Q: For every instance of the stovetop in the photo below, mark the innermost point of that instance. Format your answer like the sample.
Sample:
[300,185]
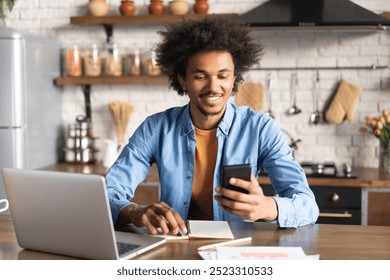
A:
[327,170]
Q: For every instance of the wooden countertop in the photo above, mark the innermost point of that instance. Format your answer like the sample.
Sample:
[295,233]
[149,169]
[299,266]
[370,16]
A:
[331,242]
[366,177]
[95,169]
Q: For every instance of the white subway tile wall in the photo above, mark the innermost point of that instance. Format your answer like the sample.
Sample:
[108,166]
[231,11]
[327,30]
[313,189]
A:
[323,142]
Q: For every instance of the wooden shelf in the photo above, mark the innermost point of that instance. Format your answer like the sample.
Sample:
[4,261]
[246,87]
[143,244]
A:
[62,81]
[108,22]
[140,19]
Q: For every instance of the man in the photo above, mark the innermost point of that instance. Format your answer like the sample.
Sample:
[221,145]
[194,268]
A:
[206,60]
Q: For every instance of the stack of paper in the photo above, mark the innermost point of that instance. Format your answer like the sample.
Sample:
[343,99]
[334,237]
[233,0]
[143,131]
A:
[257,253]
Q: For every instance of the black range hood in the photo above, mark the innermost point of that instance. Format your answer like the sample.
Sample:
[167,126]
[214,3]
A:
[314,14]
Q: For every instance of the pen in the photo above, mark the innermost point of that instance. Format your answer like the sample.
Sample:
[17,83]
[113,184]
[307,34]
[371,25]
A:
[180,233]
[226,243]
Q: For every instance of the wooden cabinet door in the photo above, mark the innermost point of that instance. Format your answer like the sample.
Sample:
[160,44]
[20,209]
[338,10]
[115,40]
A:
[378,208]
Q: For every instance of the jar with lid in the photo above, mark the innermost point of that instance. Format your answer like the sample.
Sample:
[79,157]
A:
[112,60]
[201,7]
[98,8]
[156,7]
[93,61]
[150,66]
[72,61]
[127,8]
[178,7]
[132,63]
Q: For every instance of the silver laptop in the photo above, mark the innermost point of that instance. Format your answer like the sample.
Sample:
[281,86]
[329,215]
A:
[68,214]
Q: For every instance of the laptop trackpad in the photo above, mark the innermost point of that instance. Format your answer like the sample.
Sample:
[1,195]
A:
[136,244]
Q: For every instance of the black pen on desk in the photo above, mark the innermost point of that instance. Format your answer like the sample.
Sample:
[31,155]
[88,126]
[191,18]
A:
[226,243]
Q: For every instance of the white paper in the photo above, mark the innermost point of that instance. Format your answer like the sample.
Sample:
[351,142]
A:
[210,229]
[202,230]
[208,255]
[258,253]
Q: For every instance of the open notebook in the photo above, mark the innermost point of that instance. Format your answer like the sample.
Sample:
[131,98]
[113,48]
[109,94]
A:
[204,230]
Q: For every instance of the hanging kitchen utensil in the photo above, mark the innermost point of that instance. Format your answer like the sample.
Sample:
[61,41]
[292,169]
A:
[315,116]
[121,112]
[269,95]
[294,110]
[250,94]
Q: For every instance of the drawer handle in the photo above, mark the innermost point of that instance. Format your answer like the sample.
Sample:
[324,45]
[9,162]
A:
[335,197]
[336,215]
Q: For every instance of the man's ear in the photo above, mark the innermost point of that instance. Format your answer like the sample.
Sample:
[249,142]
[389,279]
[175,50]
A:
[182,82]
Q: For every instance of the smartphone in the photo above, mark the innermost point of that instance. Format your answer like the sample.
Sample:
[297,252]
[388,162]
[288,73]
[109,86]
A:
[240,171]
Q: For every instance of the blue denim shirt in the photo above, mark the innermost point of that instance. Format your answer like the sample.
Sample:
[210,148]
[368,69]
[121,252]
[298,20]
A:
[244,136]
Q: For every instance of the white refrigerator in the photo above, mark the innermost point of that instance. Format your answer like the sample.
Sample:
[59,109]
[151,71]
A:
[30,103]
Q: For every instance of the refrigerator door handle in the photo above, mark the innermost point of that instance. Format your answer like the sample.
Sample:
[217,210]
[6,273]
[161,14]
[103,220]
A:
[10,127]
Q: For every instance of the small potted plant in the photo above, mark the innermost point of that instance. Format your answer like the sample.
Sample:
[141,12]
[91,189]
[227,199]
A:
[3,5]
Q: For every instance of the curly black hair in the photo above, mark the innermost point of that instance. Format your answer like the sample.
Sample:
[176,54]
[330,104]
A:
[182,40]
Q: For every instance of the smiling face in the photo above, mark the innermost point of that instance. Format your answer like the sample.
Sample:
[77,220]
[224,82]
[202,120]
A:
[209,82]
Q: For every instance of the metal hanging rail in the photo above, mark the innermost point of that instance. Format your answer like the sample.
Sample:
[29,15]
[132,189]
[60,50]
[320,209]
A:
[372,67]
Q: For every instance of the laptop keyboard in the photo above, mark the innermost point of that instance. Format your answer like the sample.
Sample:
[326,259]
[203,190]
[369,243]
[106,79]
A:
[125,247]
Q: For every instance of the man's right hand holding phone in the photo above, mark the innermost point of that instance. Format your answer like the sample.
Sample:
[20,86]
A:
[253,205]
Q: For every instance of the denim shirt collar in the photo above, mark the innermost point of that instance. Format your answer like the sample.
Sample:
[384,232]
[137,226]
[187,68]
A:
[224,125]
[185,120]
[227,119]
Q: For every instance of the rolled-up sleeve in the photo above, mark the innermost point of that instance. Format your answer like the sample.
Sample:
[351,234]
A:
[296,201]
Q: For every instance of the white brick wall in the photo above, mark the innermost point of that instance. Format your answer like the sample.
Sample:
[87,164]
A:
[341,143]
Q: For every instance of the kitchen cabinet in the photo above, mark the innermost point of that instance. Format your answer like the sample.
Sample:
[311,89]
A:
[338,205]
[371,189]
[376,206]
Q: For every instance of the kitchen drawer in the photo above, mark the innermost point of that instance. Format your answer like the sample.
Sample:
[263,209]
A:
[340,216]
[330,197]
[338,205]
[338,197]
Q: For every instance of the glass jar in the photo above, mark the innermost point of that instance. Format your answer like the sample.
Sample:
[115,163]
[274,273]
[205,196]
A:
[73,61]
[93,62]
[132,63]
[112,60]
[149,64]
[384,157]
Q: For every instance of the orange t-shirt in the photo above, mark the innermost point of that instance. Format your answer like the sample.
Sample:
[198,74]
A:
[201,207]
